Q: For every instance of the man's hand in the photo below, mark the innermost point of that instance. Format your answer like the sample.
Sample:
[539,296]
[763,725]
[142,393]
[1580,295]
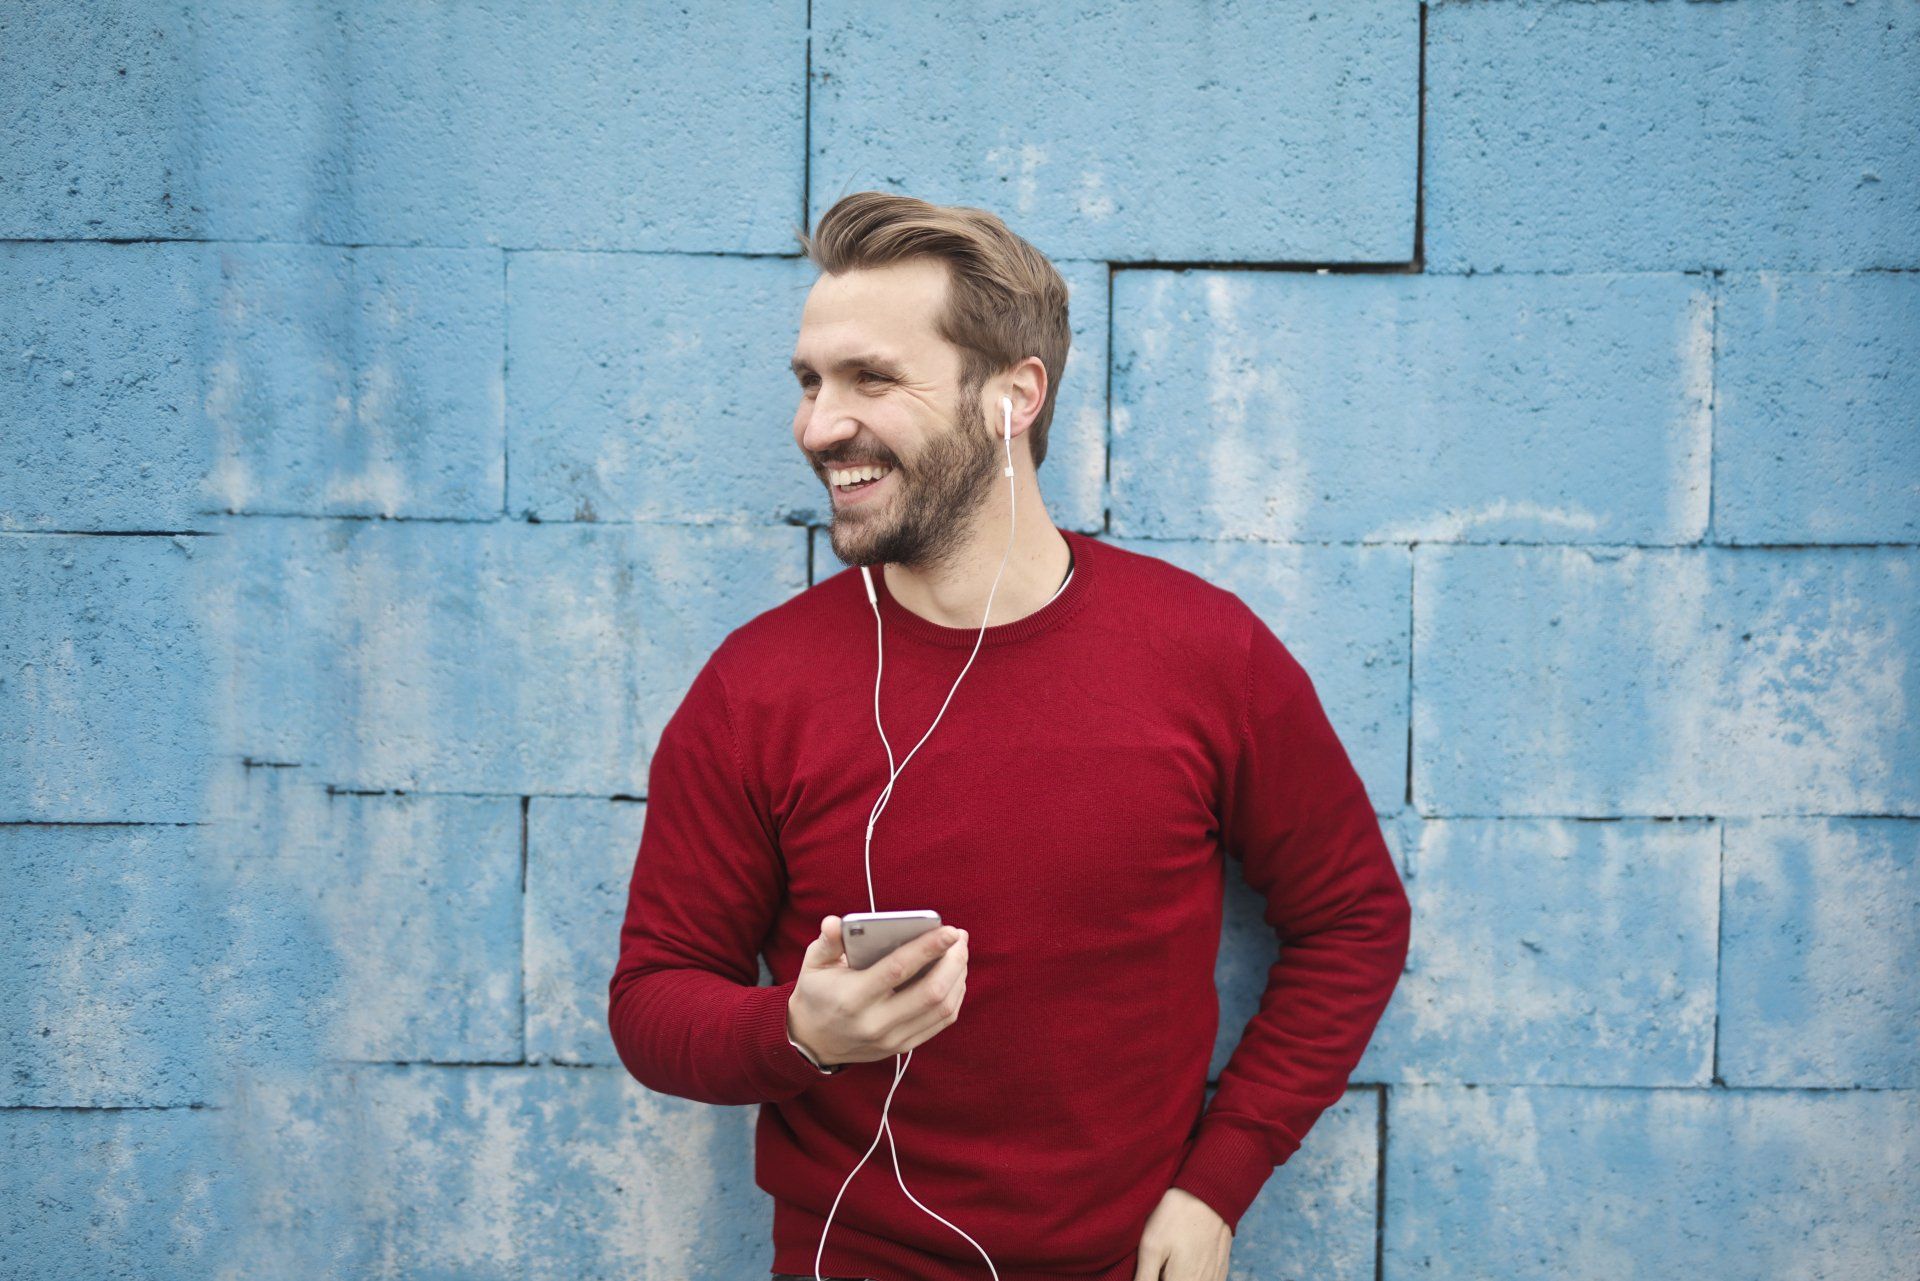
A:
[1184,1240]
[844,1015]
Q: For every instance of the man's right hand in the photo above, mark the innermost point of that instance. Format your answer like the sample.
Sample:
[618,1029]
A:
[844,1015]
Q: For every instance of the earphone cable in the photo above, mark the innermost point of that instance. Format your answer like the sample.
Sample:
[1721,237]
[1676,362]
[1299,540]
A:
[893,773]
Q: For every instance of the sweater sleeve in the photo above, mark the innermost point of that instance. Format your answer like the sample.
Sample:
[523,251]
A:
[685,1010]
[1297,816]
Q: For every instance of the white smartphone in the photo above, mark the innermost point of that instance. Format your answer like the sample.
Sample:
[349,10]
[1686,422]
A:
[869,936]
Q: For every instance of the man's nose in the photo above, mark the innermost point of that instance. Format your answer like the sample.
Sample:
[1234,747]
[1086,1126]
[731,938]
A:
[827,424]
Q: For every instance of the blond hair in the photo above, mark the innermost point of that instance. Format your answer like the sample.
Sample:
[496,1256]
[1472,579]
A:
[1005,300]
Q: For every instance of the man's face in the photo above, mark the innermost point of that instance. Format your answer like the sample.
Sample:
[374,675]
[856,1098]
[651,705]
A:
[877,385]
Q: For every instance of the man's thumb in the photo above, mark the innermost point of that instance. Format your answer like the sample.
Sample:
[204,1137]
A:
[829,947]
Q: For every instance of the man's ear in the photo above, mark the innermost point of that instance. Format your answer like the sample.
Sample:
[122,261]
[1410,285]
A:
[1028,387]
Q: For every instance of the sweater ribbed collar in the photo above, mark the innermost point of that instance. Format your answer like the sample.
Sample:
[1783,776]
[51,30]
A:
[896,618]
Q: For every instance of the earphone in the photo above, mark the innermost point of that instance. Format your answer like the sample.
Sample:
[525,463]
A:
[893,772]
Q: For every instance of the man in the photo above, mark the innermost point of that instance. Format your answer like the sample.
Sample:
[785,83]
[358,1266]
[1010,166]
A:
[1123,726]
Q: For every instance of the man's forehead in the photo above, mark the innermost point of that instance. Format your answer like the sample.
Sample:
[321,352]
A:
[878,316]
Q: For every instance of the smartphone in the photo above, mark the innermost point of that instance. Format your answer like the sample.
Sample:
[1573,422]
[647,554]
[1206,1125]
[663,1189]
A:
[869,936]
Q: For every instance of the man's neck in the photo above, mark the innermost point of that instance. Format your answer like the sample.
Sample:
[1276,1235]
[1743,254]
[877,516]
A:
[956,596]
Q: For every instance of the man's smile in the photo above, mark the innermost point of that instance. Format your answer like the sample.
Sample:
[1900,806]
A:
[861,490]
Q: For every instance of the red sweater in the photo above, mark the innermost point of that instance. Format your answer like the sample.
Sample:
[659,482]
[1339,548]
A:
[1071,811]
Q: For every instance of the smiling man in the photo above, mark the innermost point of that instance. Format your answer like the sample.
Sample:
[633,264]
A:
[1123,729]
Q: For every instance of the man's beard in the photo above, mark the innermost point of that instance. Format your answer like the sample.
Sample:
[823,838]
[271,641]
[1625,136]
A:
[924,523]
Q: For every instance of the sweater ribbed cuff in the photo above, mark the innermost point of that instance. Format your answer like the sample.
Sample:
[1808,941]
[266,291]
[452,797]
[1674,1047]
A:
[1226,1168]
[775,1064]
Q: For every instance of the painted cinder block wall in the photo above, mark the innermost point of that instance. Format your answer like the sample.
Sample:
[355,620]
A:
[395,416]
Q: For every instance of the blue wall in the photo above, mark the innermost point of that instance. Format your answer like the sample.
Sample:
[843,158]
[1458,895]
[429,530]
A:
[395,416]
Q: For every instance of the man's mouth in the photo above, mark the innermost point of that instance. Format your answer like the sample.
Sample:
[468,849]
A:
[856,480]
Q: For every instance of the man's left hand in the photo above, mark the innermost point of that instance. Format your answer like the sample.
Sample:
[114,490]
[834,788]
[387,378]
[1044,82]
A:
[1184,1240]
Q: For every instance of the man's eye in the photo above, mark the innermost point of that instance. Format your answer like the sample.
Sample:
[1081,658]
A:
[808,380]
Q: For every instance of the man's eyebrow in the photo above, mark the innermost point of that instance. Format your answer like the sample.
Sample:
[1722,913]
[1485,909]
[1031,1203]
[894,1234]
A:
[872,359]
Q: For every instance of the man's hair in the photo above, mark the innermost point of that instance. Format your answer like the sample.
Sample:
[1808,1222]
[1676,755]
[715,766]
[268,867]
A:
[1005,300]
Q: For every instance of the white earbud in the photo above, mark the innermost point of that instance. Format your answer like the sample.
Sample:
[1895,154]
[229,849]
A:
[1006,431]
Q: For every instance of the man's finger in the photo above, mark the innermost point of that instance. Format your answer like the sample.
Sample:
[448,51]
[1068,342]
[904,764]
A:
[1148,1262]
[928,1023]
[899,965]
[918,1006]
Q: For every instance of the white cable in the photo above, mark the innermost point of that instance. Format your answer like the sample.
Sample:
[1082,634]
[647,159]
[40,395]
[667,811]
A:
[893,772]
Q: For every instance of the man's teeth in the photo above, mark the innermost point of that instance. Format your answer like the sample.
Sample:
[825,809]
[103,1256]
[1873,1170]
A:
[855,474]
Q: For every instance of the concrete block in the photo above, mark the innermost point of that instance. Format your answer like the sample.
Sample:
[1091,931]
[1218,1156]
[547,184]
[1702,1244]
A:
[539,1173]
[506,657]
[102,425]
[150,963]
[1556,953]
[1819,947]
[580,857]
[160,382]
[1816,393]
[675,129]
[1264,132]
[391,1172]
[1569,138]
[1392,408]
[105,678]
[656,389]
[117,1193]
[100,103]
[369,125]
[353,381]
[416,905]
[1665,682]
[1596,1184]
